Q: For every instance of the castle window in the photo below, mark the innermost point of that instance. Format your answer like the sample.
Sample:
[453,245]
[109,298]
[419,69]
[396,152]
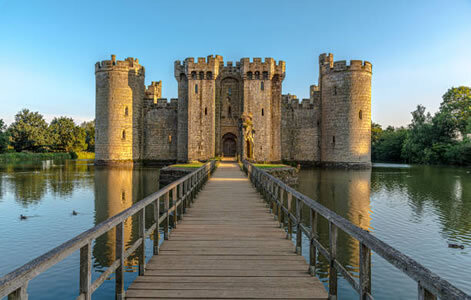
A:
[265,75]
[229,111]
[360,114]
[262,85]
[201,75]
[257,75]
[126,111]
[123,134]
[249,75]
[193,75]
[169,138]
[209,75]
[123,196]
[229,91]
[263,112]
[333,140]
[335,90]
[205,111]
[196,89]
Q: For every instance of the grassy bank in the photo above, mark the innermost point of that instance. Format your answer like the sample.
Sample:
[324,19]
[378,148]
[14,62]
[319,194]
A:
[83,155]
[270,166]
[28,156]
[188,165]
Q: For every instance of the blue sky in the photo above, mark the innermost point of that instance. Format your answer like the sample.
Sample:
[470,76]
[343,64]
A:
[48,48]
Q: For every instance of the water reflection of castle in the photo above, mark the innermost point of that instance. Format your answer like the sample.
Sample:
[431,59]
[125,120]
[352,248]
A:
[117,188]
[347,192]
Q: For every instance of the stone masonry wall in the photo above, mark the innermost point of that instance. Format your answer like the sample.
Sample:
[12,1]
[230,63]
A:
[161,131]
[346,112]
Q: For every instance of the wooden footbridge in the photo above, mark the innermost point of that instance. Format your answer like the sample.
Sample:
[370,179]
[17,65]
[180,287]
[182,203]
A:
[228,245]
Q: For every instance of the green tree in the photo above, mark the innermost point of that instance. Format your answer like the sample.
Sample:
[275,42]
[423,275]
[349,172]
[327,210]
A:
[4,137]
[29,131]
[66,136]
[89,128]
[388,148]
[457,104]
[376,131]
[418,138]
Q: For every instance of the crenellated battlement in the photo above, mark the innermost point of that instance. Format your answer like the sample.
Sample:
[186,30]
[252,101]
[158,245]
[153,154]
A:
[327,64]
[126,65]
[203,68]
[291,101]
[162,103]
[258,69]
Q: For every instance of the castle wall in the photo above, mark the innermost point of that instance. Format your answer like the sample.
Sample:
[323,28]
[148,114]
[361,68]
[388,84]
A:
[119,95]
[346,112]
[299,132]
[160,132]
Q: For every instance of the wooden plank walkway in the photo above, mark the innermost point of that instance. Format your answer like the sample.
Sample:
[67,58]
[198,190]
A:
[227,247]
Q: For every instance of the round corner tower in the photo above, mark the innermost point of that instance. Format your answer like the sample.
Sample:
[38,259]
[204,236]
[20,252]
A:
[120,91]
[345,112]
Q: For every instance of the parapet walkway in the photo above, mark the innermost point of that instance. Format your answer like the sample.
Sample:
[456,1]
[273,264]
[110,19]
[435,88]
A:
[227,247]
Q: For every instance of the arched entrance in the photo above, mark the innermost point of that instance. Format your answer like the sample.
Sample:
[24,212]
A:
[229,145]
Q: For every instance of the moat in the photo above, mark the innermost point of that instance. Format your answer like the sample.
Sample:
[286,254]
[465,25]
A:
[417,209]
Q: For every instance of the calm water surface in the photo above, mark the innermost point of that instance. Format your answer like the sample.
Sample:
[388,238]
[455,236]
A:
[418,210]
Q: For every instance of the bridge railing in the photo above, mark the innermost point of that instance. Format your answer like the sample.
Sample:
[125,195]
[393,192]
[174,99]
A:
[277,193]
[182,191]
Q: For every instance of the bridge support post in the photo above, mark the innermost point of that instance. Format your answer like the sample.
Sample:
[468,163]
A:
[167,219]
[86,271]
[299,233]
[365,271]
[157,226]
[312,248]
[19,294]
[119,284]
[333,256]
[142,235]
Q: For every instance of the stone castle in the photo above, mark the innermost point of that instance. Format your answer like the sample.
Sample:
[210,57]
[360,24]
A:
[226,109]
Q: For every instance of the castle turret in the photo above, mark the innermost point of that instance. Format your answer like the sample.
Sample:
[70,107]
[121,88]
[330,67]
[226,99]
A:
[119,97]
[345,119]
[196,107]
[262,99]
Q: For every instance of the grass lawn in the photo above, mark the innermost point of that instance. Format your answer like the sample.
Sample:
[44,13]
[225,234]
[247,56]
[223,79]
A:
[29,156]
[270,166]
[188,165]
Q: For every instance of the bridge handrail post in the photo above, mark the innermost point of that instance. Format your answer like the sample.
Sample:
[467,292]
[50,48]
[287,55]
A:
[299,233]
[180,197]
[312,247]
[167,218]
[274,200]
[157,226]
[119,273]
[280,207]
[365,271]
[85,271]
[20,293]
[424,294]
[174,203]
[333,256]
[289,234]
[142,235]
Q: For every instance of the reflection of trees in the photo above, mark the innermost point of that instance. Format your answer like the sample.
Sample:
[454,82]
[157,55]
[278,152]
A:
[117,188]
[446,189]
[346,192]
[32,180]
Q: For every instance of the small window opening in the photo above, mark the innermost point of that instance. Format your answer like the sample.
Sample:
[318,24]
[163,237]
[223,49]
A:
[229,111]
[209,75]
[262,85]
[126,111]
[201,75]
[123,196]
[249,75]
[170,138]
[333,140]
[335,90]
[193,75]
[360,114]
[229,91]
[205,111]
[123,134]
[263,112]
[265,75]
[257,75]
[196,89]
